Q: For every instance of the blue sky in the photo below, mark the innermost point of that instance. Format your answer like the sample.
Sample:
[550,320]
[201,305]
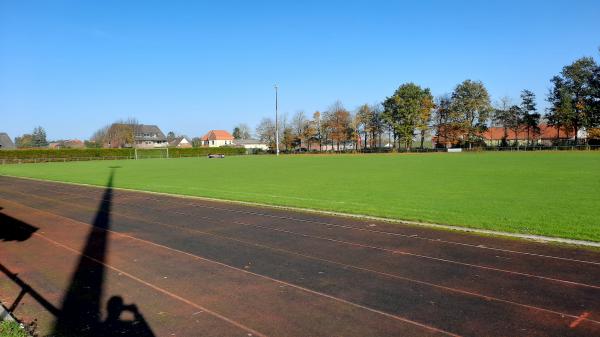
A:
[189,66]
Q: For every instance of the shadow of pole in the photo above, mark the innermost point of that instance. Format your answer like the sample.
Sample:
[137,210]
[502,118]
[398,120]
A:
[80,311]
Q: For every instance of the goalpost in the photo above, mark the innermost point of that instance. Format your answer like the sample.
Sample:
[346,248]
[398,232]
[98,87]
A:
[160,152]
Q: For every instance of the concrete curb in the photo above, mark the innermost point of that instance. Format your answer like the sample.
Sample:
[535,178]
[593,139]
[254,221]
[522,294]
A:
[530,237]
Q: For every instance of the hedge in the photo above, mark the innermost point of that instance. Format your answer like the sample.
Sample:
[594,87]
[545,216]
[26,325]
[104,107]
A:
[37,155]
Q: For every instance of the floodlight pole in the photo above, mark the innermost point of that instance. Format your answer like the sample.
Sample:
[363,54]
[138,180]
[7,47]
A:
[276,122]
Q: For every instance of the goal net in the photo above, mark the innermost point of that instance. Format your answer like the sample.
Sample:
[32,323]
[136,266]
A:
[151,153]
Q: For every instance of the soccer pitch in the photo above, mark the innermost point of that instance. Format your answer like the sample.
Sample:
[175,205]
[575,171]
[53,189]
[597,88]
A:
[544,193]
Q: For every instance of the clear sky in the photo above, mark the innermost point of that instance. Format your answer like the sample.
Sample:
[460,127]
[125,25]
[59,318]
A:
[190,66]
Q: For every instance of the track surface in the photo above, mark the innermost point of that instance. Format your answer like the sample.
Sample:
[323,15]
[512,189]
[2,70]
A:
[187,267]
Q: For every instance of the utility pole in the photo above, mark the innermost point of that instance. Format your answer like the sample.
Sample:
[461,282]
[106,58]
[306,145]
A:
[276,122]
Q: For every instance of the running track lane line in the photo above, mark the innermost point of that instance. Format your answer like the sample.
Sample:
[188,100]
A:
[392,251]
[463,292]
[305,220]
[240,325]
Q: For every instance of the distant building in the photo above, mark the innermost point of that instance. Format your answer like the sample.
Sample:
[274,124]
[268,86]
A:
[546,135]
[66,144]
[5,142]
[149,136]
[496,136]
[144,136]
[181,142]
[216,138]
[251,144]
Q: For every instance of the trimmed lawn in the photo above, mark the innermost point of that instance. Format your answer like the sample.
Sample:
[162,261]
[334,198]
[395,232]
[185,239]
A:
[545,193]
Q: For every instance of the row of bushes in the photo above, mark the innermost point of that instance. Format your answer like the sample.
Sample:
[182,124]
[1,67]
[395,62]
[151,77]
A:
[68,154]
[65,153]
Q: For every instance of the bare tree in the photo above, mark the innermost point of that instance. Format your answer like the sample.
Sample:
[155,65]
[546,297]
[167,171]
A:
[298,125]
[242,131]
[266,132]
[99,137]
[121,133]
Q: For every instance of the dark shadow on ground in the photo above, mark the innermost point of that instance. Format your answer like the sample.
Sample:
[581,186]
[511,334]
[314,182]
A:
[12,229]
[80,312]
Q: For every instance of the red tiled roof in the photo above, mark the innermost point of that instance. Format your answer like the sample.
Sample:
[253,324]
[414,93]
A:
[217,135]
[494,133]
[546,132]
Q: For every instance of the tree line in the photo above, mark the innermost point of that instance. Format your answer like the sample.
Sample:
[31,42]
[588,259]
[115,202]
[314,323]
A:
[413,113]
[459,118]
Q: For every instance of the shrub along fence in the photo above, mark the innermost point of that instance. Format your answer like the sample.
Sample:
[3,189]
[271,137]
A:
[64,155]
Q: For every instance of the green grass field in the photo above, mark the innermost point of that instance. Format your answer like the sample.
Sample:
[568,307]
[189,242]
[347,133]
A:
[549,193]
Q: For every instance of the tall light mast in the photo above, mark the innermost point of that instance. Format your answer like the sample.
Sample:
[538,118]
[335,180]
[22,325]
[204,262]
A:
[276,122]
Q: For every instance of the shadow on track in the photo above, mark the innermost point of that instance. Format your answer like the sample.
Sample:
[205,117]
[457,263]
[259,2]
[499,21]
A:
[80,312]
[12,229]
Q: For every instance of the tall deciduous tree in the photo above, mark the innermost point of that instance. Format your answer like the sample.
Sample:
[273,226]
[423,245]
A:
[338,123]
[442,120]
[376,125]
[502,117]
[471,101]
[404,110]
[561,112]
[515,121]
[364,118]
[424,118]
[309,132]
[577,84]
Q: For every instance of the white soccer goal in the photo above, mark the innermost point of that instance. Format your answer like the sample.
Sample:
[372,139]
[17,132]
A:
[151,153]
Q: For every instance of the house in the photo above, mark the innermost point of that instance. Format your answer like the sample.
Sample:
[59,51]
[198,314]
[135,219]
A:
[5,142]
[546,135]
[251,144]
[216,138]
[149,136]
[144,136]
[181,142]
[499,136]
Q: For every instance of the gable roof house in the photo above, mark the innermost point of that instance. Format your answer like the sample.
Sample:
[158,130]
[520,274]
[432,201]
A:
[144,136]
[149,136]
[5,142]
[181,142]
[216,138]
